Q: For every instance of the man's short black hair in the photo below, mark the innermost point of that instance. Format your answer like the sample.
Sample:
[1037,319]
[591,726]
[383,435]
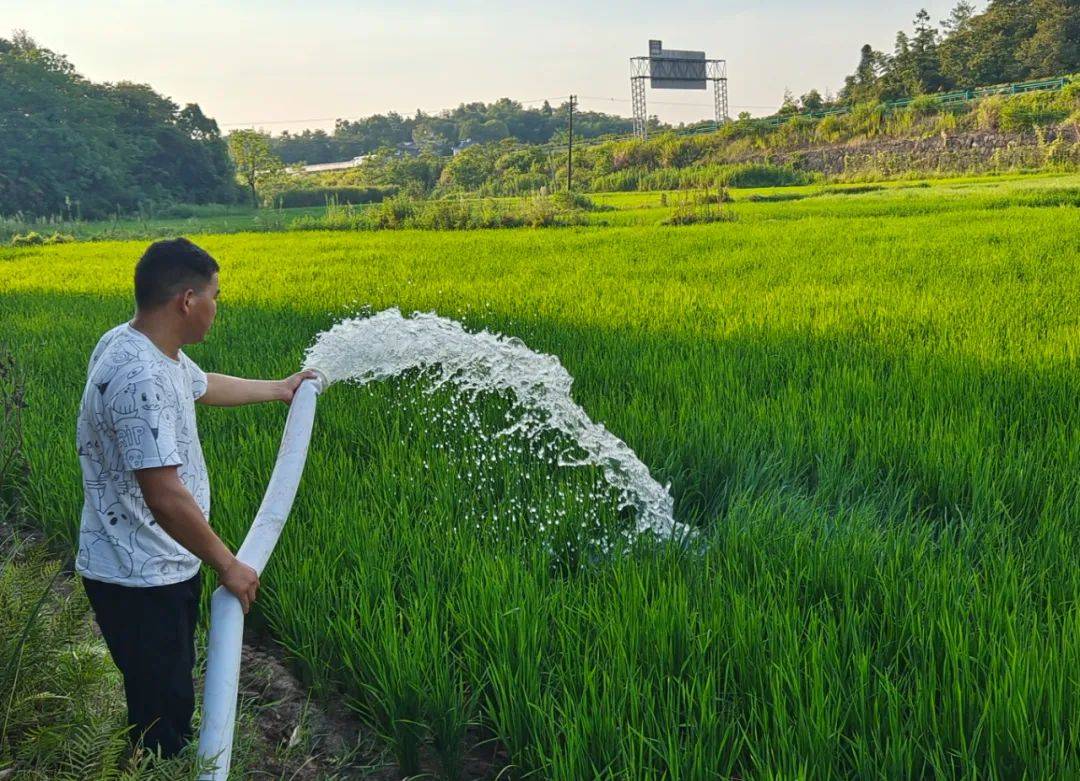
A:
[168,267]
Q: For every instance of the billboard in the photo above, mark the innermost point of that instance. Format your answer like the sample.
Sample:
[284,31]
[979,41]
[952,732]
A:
[675,68]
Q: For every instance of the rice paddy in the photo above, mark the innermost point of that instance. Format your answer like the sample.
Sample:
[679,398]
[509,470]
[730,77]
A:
[865,402]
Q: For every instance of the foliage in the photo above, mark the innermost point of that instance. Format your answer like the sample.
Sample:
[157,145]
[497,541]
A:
[701,207]
[320,196]
[255,163]
[82,149]
[1026,112]
[1009,41]
[402,211]
[34,238]
[477,122]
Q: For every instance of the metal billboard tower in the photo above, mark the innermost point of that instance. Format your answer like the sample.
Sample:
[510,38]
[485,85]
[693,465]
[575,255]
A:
[675,69]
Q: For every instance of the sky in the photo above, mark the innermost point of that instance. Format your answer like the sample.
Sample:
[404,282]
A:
[292,65]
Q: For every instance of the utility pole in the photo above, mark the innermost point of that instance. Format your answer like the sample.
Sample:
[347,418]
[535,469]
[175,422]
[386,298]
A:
[570,148]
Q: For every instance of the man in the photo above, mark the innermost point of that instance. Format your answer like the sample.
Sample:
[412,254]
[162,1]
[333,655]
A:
[144,526]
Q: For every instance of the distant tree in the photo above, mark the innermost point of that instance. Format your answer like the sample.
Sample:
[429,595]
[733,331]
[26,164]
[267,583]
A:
[468,170]
[812,101]
[788,106]
[994,39]
[1054,47]
[197,125]
[250,151]
[434,134]
[863,84]
[924,54]
[493,130]
[956,49]
[743,116]
[72,146]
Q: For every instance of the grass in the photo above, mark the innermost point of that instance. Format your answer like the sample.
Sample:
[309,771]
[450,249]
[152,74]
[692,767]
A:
[866,403]
[195,219]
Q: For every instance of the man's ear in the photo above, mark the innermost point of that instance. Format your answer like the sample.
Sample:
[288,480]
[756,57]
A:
[186,300]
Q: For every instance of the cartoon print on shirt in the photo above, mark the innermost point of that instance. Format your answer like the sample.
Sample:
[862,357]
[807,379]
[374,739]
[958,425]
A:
[97,489]
[150,404]
[137,411]
[91,448]
[115,539]
[124,404]
[128,485]
[116,360]
[97,412]
[96,546]
[119,526]
[106,468]
[159,570]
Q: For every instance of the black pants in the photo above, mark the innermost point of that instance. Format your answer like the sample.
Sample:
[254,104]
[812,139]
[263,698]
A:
[151,636]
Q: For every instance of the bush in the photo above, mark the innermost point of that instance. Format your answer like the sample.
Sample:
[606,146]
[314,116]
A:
[33,239]
[1026,112]
[988,112]
[186,211]
[923,106]
[395,212]
[569,201]
[449,214]
[30,239]
[321,196]
[731,174]
[701,207]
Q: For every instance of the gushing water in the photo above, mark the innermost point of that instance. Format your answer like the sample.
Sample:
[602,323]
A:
[387,344]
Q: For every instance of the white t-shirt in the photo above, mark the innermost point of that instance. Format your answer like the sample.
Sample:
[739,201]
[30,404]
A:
[137,412]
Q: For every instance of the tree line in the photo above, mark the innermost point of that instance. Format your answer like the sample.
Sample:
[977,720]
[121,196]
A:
[1010,41]
[74,148]
[439,133]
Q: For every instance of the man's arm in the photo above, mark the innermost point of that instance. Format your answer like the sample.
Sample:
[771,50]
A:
[225,391]
[176,511]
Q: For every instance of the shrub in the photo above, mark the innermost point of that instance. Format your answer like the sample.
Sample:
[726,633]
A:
[450,214]
[568,201]
[394,212]
[1026,112]
[27,239]
[923,106]
[698,208]
[988,112]
[829,129]
[321,196]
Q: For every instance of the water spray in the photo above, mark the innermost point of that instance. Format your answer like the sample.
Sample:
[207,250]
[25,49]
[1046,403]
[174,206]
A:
[385,345]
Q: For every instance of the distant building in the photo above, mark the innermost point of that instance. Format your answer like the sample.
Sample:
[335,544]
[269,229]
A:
[315,167]
[461,146]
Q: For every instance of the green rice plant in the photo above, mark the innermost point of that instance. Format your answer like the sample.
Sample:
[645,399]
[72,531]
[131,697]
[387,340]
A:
[865,404]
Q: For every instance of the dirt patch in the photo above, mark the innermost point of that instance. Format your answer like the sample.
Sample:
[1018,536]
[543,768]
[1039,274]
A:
[291,736]
[298,737]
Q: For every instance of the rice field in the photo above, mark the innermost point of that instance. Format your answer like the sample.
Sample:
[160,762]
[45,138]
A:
[865,401]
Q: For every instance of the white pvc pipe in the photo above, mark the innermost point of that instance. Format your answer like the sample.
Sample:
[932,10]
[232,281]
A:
[226,614]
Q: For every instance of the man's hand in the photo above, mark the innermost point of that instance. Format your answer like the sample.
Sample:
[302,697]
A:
[291,383]
[242,581]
